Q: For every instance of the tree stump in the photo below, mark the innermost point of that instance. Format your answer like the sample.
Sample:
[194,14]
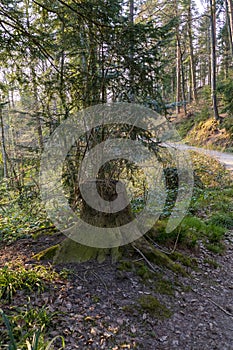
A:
[71,251]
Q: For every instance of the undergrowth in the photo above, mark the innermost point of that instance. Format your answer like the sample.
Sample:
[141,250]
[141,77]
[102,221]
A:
[210,213]
[28,330]
[26,327]
[16,278]
[186,124]
[21,214]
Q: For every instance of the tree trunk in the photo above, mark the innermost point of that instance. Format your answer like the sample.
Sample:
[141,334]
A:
[4,154]
[229,13]
[178,77]
[71,251]
[36,108]
[178,62]
[213,58]
[191,55]
[131,53]
[229,24]
[183,82]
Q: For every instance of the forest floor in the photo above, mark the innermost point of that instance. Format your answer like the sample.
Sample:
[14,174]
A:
[102,306]
[118,306]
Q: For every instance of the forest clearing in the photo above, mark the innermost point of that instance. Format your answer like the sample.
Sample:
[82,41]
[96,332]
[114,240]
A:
[116,168]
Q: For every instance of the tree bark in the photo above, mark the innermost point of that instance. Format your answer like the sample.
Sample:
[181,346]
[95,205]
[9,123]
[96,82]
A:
[178,62]
[213,58]
[71,251]
[178,77]
[191,55]
[4,154]
[36,108]
[229,10]
[131,25]
[229,22]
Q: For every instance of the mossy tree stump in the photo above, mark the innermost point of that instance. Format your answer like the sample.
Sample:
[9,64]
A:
[72,251]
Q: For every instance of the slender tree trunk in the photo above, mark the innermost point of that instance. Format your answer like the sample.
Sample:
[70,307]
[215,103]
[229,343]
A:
[178,62]
[208,40]
[131,25]
[182,80]
[229,8]
[213,58]
[178,78]
[191,55]
[229,21]
[62,93]
[92,88]
[36,108]
[4,154]
[103,75]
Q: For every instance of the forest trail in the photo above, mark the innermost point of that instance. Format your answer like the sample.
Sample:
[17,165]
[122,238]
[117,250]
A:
[223,157]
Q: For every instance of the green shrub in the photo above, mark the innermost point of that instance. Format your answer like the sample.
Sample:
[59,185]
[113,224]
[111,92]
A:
[189,232]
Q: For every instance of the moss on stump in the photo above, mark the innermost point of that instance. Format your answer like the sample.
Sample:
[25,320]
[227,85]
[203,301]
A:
[70,251]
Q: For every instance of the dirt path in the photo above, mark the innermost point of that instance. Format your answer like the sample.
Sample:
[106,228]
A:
[224,158]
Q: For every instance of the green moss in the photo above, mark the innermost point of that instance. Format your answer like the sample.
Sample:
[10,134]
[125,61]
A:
[151,305]
[215,248]
[46,254]
[44,232]
[211,262]
[157,257]
[71,251]
[140,268]
[164,287]
[177,268]
[184,259]
[143,271]
[125,265]
[163,260]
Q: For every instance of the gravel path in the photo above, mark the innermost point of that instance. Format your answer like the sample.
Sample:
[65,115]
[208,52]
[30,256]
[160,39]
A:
[224,158]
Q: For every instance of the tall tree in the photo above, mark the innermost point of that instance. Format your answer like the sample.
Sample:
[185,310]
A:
[191,51]
[213,58]
[229,16]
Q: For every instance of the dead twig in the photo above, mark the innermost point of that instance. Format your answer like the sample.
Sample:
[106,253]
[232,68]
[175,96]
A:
[167,252]
[214,303]
[145,258]
[100,278]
